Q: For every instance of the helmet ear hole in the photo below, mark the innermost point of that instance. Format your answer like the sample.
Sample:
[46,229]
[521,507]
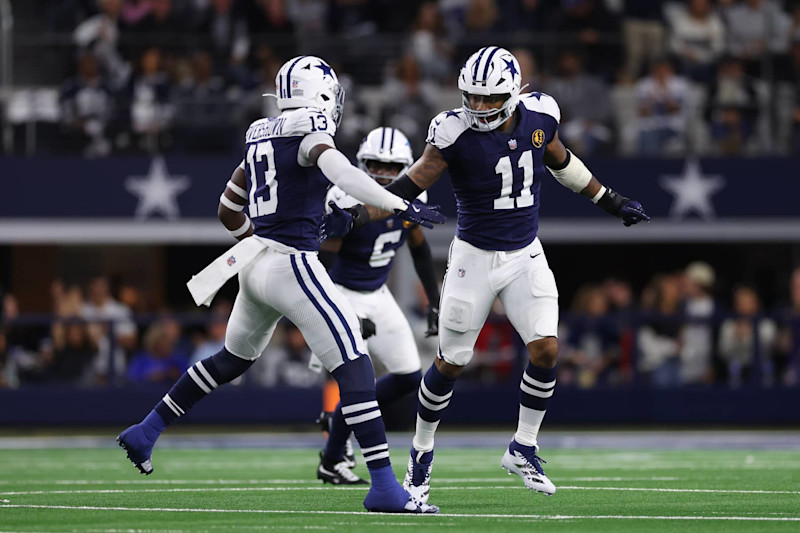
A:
[325,97]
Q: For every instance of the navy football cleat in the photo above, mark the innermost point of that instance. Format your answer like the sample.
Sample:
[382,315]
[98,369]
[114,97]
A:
[525,462]
[396,500]
[138,447]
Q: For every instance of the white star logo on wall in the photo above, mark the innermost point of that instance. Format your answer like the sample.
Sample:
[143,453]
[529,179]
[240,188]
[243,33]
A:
[157,191]
[692,191]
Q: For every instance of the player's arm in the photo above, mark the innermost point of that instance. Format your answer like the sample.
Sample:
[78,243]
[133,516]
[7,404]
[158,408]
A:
[423,264]
[570,172]
[231,206]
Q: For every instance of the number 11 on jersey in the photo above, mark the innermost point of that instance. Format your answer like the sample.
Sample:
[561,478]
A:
[503,167]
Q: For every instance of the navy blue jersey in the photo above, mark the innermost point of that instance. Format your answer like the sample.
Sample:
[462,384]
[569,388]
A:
[497,176]
[367,253]
[286,192]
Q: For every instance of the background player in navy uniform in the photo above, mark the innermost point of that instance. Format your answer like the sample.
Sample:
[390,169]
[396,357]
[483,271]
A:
[496,147]
[360,268]
[282,182]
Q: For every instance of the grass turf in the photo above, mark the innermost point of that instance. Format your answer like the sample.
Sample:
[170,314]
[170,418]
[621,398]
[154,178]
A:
[248,490]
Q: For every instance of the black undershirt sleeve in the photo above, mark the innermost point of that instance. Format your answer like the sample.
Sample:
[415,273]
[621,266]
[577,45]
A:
[404,188]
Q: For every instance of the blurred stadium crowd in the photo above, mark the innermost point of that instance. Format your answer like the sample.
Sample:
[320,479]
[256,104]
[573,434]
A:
[679,331]
[633,77]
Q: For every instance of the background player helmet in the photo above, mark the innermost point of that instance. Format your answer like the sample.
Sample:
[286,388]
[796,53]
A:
[490,71]
[386,145]
[308,81]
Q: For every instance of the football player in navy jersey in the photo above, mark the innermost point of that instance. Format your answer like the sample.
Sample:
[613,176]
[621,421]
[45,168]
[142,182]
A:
[498,146]
[274,204]
[359,265]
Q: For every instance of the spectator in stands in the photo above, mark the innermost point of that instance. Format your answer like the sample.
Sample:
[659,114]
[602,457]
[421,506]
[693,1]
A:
[428,44]
[659,339]
[162,23]
[643,30]
[585,105]
[621,305]
[591,349]
[161,361]
[697,336]
[732,108]
[698,40]
[99,34]
[787,353]
[72,355]
[150,108]
[408,101]
[204,117]
[254,105]
[103,312]
[662,103]
[133,11]
[481,17]
[8,312]
[86,106]
[738,337]
[268,17]
[596,30]
[756,30]
[285,361]
[226,27]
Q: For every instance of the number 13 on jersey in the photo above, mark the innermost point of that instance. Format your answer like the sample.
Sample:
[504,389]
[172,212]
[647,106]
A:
[257,156]
[503,167]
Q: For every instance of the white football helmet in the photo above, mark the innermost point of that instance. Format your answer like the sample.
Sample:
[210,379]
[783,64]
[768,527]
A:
[385,145]
[491,71]
[308,81]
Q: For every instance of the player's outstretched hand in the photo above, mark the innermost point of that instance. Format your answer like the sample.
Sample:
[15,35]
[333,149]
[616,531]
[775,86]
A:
[433,322]
[335,224]
[418,213]
[632,212]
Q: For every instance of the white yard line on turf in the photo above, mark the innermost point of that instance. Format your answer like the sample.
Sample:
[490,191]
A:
[442,515]
[363,488]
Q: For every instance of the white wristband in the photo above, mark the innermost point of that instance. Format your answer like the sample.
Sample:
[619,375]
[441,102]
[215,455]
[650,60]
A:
[238,191]
[600,193]
[230,204]
[244,228]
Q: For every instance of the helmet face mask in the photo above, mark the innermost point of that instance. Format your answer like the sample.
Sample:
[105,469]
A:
[308,81]
[494,74]
[385,154]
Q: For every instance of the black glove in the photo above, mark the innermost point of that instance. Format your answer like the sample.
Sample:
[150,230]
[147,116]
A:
[433,321]
[630,211]
[367,328]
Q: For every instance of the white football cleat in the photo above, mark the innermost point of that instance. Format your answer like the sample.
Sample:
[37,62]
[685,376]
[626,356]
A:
[418,475]
[524,462]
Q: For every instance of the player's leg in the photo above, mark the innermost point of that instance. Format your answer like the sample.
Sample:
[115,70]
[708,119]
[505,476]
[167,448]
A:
[331,329]
[467,297]
[393,345]
[250,327]
[531,303]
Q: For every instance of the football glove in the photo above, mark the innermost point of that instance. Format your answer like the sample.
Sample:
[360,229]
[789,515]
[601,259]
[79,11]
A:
[368,328]
[433,322]
[337,223]
[630,211]
[418,213]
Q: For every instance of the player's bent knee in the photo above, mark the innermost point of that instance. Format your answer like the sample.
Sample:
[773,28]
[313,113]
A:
[449,369]
[356,375]
[544,352]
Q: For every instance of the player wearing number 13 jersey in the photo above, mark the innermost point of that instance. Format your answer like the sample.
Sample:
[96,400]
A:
[274,203]
[496,147]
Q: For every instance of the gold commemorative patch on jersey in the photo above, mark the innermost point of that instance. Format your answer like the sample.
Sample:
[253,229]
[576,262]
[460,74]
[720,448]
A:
[537,138]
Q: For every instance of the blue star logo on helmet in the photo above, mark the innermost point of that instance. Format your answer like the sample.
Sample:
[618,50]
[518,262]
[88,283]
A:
[510,67]
[326,69]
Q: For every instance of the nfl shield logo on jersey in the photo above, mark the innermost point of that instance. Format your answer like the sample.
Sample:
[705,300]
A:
[461,272]
[512,144]
[231,261]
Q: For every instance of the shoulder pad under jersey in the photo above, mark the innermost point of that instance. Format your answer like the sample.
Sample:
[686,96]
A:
[541,103]
[446,128]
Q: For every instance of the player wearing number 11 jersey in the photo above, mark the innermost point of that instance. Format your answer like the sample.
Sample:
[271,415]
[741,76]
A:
[496,147]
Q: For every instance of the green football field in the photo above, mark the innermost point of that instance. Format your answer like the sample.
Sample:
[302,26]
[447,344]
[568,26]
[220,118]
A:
[44,488]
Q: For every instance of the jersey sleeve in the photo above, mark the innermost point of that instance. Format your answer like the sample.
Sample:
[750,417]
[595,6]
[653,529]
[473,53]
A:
[340,198]
[544,104]
[310,141]
[446,128]
[314,126]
